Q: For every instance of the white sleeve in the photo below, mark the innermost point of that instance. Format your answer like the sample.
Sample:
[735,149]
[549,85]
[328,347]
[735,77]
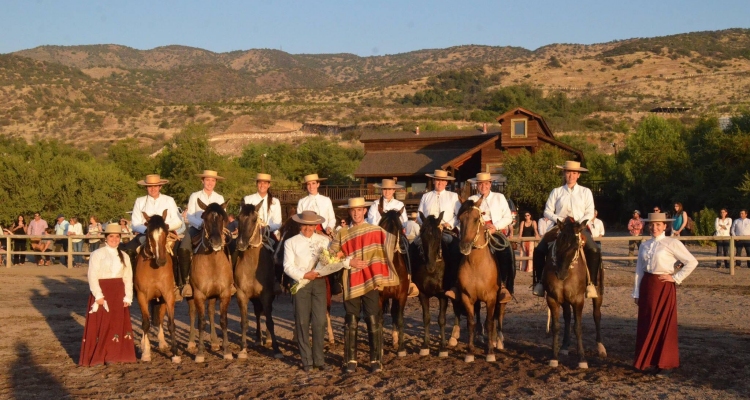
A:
[127,279]
[422,209]
[174,219]
[93,275]
[331,215]
[640,269]
[733,230]
[549,207]
[274,219]
[716,225]
[290,266]
[682,254]
[192,209]
[588,213]
[373,215]
[504,218]
[137,222]
[455,222]
[404,217]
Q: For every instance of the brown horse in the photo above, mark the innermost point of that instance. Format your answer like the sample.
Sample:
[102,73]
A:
[211,275]
[254,277]
[477,276]
[153,281]
[391,223]
[565,277]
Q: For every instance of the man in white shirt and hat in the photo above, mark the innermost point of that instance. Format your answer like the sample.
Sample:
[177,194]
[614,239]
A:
[317,202]
[577,203]
[269,214]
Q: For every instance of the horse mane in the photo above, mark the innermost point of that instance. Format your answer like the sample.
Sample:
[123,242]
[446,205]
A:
[565,247]
[215,208]
[247,209]
[466,206]
[391,222]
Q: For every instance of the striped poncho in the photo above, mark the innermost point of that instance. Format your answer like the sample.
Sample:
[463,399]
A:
[374,245]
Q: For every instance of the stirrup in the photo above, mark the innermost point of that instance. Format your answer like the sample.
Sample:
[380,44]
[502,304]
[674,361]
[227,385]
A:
[351,366]
[505,296]
[538,290]
[591,292]
[451,293]
[187,290]
[177,295]
[413,290]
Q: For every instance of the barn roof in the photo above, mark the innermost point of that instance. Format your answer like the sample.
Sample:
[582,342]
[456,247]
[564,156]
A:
[424,135]
[406,163]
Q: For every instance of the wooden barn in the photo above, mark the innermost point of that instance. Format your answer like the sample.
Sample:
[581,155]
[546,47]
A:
[408,156]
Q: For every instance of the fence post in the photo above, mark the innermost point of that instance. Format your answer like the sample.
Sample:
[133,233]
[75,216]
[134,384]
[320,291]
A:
[7,252]
[70,252]
[731,255]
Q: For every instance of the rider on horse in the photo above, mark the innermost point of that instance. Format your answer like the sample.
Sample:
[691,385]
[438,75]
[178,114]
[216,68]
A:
[317,202]
[569,201]
[269,215]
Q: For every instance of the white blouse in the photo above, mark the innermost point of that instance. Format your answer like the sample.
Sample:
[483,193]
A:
[373,214]
[434,202]
[301,254]
[321,205]
[194,212]
[271,217]
[563,202]
[658,256]
[722,226]
[495,208]
[105,264]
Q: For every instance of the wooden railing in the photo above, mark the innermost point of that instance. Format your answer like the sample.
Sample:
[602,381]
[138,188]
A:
[8,252]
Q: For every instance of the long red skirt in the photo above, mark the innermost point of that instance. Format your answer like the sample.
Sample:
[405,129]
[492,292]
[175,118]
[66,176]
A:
[108,336]
[656,340]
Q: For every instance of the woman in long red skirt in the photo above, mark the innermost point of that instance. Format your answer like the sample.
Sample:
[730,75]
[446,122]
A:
[656,297]
[108,334]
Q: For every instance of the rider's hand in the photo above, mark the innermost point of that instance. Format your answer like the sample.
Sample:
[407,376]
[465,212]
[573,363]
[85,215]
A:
[492,230]
[100,301]
[311,275]
[357,263]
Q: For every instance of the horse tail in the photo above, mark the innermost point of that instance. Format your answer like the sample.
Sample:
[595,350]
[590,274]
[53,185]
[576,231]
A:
[154,310]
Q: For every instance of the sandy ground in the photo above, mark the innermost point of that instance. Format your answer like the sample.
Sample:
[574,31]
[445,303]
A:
[41,309]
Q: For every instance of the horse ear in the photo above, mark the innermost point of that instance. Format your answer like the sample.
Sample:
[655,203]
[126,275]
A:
[224,206]
[560,222]
[478,202]
[260,204]
[201,205]
[242,203]
[421,216]
[401,211]
[164,214]
[584,223]
[440,217]
[145,216]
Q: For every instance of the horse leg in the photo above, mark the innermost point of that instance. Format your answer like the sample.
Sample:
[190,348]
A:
[443,350]
[193,331]
[500,315]
[258,310]
[491,338]
[200,308]
[397,311]
[223,320]
[456,332]
[163,346]
[601,350]
[331,339]
[470,326]
[566,331]
[425,301]
[554,309]
[169,307]
[145,326]
[211,310]
[478,317]
[242,304]
[268,311]
[579,333]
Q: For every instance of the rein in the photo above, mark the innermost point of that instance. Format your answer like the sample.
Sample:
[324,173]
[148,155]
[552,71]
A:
[496,243]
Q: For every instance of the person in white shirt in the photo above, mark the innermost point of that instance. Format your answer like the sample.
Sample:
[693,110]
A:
[76,229]
[386,202]
[544,225]
[269,215]
[301,254]
[569,201]
[656,297]
[317,202]
[412,228]
[596,226]
[741,227]
[441,201]
[722,225]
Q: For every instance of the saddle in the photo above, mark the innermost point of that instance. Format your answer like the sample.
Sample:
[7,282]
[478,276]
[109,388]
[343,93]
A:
[196,240]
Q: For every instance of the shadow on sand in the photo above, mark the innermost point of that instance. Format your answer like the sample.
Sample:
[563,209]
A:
[31,381]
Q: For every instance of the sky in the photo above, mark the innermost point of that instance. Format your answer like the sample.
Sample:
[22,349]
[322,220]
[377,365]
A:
[360,27]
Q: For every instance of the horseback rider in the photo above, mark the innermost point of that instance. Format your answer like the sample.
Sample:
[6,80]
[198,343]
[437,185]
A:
[154,203]
[317,202]
[440,200]
[496,215]
[569,201]
[269,215]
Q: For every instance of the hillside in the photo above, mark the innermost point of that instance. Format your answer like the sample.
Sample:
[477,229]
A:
[94,95]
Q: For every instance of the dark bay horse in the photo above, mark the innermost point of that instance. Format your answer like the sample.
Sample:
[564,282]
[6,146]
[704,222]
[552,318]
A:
[154,281]
[211,275]
[565,278]
[428,273]
[254,277]
[391,223]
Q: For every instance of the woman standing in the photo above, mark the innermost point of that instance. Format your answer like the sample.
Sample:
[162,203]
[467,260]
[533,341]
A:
[527,228]
[722,225]
[655,295]
[679,225]
[108,334]
[19,228]
[95,228]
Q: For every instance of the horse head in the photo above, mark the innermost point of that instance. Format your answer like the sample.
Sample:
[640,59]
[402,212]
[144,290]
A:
[470,218]
[248,226]
[214,224]
[391,221]
[432,238]
[157,231]
[567,245]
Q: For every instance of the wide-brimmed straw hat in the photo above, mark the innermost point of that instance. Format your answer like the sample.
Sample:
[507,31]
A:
[112,228]
[412,215]
[482,177]
[388,184]
[356,202]
[658,217]
[153,180]
[263,177]
[308,218]
[441,174]
[312,177]
[207,173]
[572,166]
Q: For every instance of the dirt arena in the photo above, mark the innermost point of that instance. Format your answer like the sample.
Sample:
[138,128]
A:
[42,319]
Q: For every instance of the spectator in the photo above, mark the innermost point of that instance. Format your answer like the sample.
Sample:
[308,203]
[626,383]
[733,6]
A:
[412,228]
[544,225]
[61,229]
[657,209]
[125,229]
[741,227]
[527,228]
[723,224]
[95,228]
[19,228]
[232,225]
[76,229]
[635,227]
[679,225]
[38,227]
[596,226]
[45,245]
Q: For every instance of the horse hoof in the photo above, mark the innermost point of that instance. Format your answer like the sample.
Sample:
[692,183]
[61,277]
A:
[601,350]
[402,353]
[583,365]
[146,357]
[452,342]
[443,354]
[500,345]
[278,356]
[163,348]
[242,355]
[490,358]
[215,347]
[424,352]
[176,359]
[553,363]
[564,352]
[469,358]
[394,335]
[228,356]
[199,359]
[191,347]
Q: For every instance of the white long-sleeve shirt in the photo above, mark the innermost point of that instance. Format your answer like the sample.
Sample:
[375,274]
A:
[373,214]
[564,202]
[271,217]
[412,230]
[495,208]
[105,264]
[153,206]
[741,227]
[301,254]
[544,225]
[658,256]
[321,205]
[596,226]
[722,226]
[76,229]
[194,212]
[433,203]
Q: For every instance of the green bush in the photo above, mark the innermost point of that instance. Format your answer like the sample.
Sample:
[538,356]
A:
[705,221]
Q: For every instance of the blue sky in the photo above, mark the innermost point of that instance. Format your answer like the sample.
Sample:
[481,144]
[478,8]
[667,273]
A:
[361,27]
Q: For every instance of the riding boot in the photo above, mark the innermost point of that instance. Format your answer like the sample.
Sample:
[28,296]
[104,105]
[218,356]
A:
[183,259]
[594,264]
[540,253]
[375,336]
[350,342]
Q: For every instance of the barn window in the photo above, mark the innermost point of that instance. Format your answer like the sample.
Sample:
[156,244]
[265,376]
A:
[518,128]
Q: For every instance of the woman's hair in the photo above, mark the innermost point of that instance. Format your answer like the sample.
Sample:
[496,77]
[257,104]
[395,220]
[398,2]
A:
[270,200]
[679,209]
[19,216]
[529,214]
[94,217]
[724,209]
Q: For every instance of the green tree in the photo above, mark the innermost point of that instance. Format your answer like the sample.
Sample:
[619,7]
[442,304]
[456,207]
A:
[531,177]
[130,157]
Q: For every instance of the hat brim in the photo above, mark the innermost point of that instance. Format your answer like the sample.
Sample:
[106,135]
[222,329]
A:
[217,177]
[474,180]
[397,186]
[263,180]
[658,220]
[160,183]
[579,169]
[445,178]
[314,180]
[364,205]
[318,221]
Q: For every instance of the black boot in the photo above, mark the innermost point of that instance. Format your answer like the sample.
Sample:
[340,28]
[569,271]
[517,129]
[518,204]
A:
[594,264]
[375,336]
[350,342]
[183,283]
